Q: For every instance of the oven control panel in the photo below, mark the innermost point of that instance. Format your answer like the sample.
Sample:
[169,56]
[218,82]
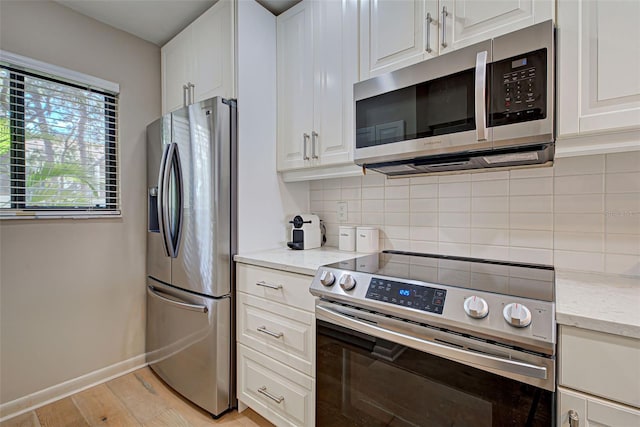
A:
[407,295]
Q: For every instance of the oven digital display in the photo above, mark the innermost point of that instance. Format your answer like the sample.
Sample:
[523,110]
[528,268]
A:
[407,295]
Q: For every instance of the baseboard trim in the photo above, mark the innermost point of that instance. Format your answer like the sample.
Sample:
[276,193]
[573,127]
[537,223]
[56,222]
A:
[59,391]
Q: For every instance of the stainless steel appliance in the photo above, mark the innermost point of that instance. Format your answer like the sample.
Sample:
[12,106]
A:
[305,232]
[487,105]
[191,239]
[408,339]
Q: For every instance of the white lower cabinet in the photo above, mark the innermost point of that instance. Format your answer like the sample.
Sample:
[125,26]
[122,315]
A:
[279,331]
[276,344]
[280,394]
[593,412]
[599,379]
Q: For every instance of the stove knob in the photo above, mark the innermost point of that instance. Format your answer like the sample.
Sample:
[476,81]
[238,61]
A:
[327,278]
[476,307]
[517,315]
[347,282]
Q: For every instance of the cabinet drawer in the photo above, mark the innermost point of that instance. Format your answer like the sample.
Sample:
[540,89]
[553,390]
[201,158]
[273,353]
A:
[275,391]
[276,285]
[594,412]
[601,364]
[279,331]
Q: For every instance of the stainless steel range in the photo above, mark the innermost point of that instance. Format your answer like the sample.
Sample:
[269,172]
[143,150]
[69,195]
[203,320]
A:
[427,340]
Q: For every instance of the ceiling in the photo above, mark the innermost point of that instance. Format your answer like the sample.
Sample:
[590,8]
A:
[156,21]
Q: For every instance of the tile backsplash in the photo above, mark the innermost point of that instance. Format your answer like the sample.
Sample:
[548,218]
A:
[581,214]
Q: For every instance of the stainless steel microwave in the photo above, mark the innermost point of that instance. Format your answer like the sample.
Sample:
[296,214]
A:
[487,105]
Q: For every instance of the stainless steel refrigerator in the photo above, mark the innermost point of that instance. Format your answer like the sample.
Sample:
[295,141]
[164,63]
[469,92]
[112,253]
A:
[191,240]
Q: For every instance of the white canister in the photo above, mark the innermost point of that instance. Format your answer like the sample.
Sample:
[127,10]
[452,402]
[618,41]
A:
[347,238]
[367,239]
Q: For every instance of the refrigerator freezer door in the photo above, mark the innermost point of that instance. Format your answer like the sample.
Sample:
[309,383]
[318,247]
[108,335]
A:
[188,344]
[158,139]
[203,261]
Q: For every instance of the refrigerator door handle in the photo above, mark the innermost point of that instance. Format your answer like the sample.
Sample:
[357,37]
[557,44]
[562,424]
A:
[172,236]
[164,197]
[156,293]
[161,200]
[178,171]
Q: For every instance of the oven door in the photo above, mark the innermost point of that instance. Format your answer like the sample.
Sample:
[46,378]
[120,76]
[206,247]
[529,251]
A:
[373,370]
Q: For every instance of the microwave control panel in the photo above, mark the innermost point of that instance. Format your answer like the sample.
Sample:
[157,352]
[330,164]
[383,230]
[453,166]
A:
[407,295]
[519,89]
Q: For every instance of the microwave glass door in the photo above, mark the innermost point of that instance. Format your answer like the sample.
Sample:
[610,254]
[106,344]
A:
[435,107]
[366,381]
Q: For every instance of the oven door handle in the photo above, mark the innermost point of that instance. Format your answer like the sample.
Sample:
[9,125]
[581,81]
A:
[449,352]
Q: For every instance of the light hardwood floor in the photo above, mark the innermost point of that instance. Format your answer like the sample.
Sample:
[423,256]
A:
[136,399]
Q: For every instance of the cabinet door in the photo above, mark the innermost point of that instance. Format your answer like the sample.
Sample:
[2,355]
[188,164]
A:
[175,57]
[336,70]
[392,35]
[598,65]
[213,72]
[295,86]
[593,412]
[581,349]
[471,21]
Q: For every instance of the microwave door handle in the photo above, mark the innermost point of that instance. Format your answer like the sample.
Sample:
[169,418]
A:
[480,95]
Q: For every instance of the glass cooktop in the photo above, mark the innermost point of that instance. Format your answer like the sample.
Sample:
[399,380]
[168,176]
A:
[518,279]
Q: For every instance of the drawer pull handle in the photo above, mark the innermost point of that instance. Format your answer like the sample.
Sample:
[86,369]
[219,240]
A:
[574,420]
[264,330]
[277,399]
[268,285]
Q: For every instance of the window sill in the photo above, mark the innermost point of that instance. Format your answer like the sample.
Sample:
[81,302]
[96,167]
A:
[17,215]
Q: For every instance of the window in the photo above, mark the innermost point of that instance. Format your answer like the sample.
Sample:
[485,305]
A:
[58,144]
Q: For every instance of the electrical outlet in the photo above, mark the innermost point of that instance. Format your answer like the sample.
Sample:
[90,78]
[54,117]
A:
[342,211]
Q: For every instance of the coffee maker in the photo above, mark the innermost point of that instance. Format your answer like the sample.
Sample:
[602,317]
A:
[305,232]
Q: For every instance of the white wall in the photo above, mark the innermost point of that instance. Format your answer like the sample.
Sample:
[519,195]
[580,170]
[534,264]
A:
[72,294]
[581,214]
[265,202]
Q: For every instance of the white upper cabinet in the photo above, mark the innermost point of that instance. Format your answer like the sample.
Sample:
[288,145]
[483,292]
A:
[199,62]
[393,34]
[295,86]
[213,45]
[335,72]
[317,67]
[598,67]
[469,21]
[175,71]
[397,33]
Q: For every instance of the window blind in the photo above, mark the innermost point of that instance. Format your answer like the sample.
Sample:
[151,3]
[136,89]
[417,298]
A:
[58,145]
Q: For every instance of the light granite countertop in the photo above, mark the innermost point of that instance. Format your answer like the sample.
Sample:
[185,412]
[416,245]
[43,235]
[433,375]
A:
[302,262]
[600,302]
